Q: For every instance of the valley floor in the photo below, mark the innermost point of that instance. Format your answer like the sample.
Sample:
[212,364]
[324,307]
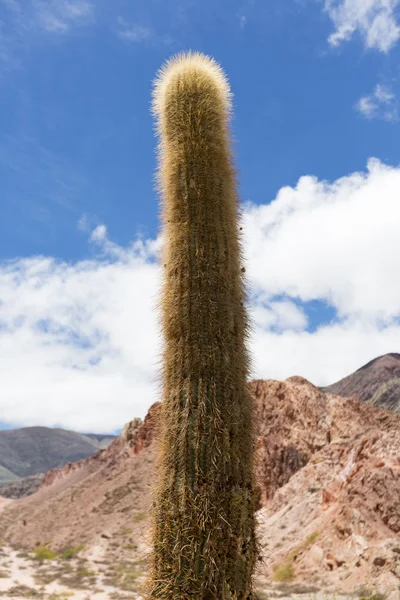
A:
[41,576]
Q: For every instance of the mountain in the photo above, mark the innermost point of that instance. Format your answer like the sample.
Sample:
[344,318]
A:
[19,488]
[6,475]
[99,440]
[34,450]
[377,383]
[328,473]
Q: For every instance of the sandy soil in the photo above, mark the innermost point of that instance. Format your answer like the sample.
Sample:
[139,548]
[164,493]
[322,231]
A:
[22,576]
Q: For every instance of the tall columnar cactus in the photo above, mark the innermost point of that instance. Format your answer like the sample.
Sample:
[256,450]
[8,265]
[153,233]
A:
[204,543]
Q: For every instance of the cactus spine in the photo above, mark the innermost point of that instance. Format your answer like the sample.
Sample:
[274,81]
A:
[203,536]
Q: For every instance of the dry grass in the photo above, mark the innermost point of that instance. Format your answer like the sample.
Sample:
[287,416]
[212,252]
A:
[47,575]
[284,572]
[131,546]
[79,578]
[139,516]
[289,589]
[71,552]
[124,576]
[21,591]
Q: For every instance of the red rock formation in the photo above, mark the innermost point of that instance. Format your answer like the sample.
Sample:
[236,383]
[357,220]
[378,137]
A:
[329,475]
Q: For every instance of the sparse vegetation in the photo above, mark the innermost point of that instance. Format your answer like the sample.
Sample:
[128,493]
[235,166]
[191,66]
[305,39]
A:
[139,516]
[51,572]
[81,577]
[284,572]
[311,538]
[131,546]
[289,589]
[309,541]
[124,576]
[21,591]
[44,553]
[71,552]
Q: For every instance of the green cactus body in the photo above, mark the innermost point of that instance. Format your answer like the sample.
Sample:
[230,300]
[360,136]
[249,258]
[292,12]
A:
[203,538]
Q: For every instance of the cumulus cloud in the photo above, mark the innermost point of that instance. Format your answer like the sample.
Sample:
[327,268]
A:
[380,104]
[277,315]
[325,356]
[331,241]
[336,243]
[375,20]
[80,344]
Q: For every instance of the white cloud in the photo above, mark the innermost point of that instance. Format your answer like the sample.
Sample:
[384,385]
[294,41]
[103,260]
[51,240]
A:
[380,104]
[58,16]
[375,20]
[242,21]
[79,342]
[22,20]
[99,234]
[133,32]
[325,356]
[277,315]
[333,242]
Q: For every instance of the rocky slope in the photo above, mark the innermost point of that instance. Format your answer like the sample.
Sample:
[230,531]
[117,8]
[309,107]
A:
[34,450]
[337,519]
[21,487]
[377,382]
[328,471]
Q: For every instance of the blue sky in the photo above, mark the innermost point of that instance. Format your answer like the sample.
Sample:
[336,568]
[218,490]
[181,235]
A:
[316,88]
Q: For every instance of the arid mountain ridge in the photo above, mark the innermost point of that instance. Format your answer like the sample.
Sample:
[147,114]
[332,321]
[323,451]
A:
[30,451]
[377,382]
[328,470]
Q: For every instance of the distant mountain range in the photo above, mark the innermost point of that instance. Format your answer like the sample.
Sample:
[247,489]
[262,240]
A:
[377,383]
[31,451]
[34,450]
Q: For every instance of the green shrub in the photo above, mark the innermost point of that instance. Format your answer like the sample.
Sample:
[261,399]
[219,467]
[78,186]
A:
[84,572]
[311,538]
[140,516]
[44,553]
[284,572]
[71,552]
